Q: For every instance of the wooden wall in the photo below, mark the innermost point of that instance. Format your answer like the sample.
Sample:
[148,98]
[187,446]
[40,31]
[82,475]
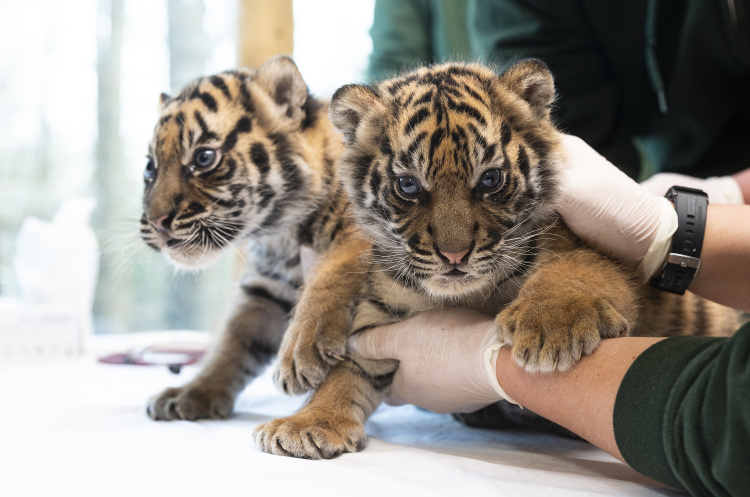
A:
[265,29]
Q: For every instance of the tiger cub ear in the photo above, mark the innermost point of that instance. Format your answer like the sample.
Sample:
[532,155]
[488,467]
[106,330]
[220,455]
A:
[531,80]
[349,105]
[282,81]
[163,101]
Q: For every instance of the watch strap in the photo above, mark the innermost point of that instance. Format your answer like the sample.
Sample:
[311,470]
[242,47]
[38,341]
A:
[683,260]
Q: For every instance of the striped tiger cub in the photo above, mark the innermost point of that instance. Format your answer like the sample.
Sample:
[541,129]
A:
[451,171]
[247,156]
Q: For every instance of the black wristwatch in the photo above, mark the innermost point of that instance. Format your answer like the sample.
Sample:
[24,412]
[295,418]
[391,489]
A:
[684,258]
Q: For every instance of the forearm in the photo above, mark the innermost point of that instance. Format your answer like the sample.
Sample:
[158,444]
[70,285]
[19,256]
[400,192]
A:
[724,276]
[581,399]
[671,408]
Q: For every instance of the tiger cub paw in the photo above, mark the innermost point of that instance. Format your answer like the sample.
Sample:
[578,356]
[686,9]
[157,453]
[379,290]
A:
[552,333]
[308,351]
[189,403]
[310,436]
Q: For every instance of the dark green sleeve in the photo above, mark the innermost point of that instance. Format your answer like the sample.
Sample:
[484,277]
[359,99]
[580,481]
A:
[400,37]
[409,33]
[559,33]
[682,414]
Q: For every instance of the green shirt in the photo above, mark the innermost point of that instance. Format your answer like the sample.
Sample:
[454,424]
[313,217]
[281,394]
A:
[609,58]
[409,33]
[682,414]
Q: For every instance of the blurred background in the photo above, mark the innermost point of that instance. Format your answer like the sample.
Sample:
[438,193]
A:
[79,84]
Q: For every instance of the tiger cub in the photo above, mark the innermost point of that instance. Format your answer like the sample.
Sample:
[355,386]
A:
[247,156]
[452,173]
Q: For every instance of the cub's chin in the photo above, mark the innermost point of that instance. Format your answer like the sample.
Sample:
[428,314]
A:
[454,284]
[192,259]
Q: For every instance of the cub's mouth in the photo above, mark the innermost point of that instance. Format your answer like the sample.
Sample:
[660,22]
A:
[164,240]
[193,248]
[453,282]
[455,273]
[190,255]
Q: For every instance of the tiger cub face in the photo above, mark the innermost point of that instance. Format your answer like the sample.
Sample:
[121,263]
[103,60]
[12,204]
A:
[221,165]
[451,170]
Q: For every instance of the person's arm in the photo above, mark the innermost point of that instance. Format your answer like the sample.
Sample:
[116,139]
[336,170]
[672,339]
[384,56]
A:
[605,208]
[673,408]
[442,369]
[582,399]
[724,275]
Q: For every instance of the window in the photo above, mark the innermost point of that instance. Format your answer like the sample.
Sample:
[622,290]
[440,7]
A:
[79,83]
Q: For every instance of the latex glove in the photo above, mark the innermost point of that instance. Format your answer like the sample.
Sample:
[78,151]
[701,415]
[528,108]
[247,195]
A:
[607,209]
[720,190]
[448,360]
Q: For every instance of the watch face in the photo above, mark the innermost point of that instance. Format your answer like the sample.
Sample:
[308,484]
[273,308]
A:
[684,189]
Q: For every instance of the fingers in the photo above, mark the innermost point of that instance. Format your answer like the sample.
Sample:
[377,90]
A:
[604,207]
[377,343]
[720,190]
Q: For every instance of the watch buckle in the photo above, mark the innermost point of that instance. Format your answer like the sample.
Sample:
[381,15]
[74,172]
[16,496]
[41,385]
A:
[684,261]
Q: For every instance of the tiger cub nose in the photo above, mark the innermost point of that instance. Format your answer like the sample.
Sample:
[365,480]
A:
[161,224]
[455,257]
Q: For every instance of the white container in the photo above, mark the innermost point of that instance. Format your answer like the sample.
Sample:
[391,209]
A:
[57,263]
[38,332]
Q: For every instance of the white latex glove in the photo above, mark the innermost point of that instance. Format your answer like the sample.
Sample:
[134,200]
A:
[448,360]
[720,190]
[607,209]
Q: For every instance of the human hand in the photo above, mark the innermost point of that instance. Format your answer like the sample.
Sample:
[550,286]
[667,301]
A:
[447,359]
[720,190]
[607,209]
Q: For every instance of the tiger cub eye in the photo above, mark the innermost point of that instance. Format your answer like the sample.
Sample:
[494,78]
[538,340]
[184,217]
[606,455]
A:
[409,186]
[150,172]
[204,157]
[491,179]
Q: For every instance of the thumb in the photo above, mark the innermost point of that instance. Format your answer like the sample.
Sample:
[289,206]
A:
[377,343]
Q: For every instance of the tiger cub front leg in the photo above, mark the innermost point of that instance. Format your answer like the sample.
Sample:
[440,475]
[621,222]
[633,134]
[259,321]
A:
[565,308]
[245,347]
[333,421]
[316,337]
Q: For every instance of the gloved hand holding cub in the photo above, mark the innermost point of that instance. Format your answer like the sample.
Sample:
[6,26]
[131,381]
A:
[447,362]
[607,209]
